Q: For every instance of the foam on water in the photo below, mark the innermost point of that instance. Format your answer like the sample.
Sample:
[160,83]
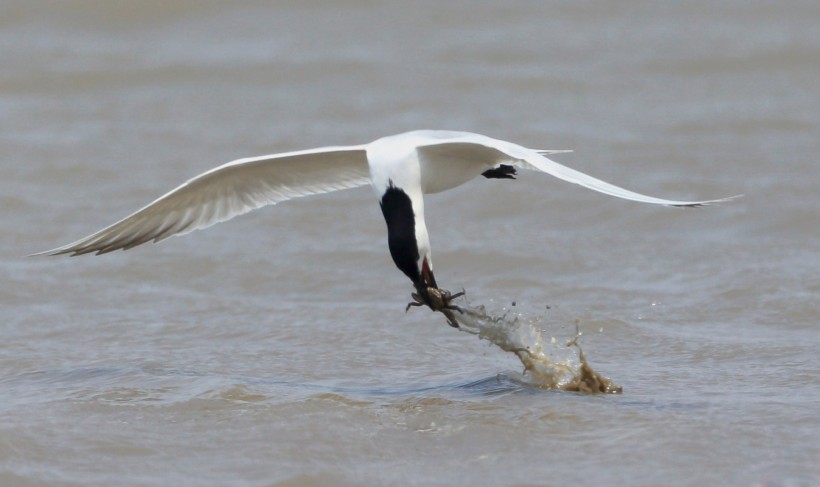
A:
[547,363]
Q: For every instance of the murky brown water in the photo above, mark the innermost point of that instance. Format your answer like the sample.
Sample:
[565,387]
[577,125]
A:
[541,368]
[274,349]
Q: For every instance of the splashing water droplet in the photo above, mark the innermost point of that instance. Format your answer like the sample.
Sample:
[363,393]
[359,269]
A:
[511,334]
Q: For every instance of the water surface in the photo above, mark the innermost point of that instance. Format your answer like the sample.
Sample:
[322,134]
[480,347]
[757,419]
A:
[274,349]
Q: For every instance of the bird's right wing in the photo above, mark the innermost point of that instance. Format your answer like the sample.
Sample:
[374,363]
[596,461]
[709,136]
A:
[228,191]
[482,149]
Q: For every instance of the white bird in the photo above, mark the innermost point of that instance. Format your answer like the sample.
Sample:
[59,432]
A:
[400,168]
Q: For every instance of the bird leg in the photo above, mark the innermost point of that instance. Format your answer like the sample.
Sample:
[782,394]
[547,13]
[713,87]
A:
[504,171]
[437,300]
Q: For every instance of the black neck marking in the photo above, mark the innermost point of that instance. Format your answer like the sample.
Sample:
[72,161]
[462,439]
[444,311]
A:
[401,231]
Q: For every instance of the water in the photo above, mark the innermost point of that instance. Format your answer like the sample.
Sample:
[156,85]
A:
[546,364]
[274,349]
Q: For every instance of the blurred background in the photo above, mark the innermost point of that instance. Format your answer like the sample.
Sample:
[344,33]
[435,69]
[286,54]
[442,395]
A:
[274,349]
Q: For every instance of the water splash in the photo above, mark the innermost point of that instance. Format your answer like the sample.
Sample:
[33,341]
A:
[527,342]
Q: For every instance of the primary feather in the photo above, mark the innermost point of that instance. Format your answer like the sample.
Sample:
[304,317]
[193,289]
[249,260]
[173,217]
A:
[227,191]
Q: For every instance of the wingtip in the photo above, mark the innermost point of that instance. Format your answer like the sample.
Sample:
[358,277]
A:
[700,204]
[57,251]
[40,254]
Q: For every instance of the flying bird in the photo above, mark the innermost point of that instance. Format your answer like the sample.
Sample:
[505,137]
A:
[400,168]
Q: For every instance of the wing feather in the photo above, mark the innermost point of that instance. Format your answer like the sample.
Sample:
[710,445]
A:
[227,191]
[480,148]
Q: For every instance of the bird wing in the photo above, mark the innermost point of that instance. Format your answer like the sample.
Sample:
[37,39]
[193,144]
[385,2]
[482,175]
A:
[489,151]
[228,191]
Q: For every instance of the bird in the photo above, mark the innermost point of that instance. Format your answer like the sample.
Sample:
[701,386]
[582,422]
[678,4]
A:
[400,168]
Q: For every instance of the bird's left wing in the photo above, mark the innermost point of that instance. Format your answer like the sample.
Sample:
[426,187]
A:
[228,191]
[483,149]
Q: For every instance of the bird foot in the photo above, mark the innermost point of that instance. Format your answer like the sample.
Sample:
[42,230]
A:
[437,300]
